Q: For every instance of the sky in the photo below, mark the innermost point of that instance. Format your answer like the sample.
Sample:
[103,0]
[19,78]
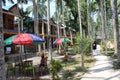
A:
[52,6]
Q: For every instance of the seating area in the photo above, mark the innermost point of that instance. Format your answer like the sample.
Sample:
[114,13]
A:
[10,69]
[28,68]
[25,67]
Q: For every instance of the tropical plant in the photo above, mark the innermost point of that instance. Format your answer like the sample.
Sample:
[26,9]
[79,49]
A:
[27,21]
[41,8]
[83,46]
[55,67]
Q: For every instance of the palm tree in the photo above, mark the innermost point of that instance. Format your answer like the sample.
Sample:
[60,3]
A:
[80,27]
[57,21]
[35,17]
[115,27]
[39,11]
[41,8]
[49,32]
[21,21]
[2,57]
[103,19]
[2,61]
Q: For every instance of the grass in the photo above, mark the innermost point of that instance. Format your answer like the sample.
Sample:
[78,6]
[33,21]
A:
[73,66]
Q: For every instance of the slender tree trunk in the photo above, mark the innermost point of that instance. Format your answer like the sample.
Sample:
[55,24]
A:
[2,56]
[49,32]
[58,27]
[43,35]
[103,23]
[71,36]
[105,28]
[88,18]
[35,18]
[36,22]
[79,15]
[64,31]
[20,28]
[115,27]
[80,24]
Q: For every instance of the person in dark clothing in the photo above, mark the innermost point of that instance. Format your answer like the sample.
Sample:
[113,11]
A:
[43,61]
[43,65]
[94,46]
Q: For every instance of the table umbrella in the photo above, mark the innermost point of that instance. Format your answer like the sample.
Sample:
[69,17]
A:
[24,39]
[60,40]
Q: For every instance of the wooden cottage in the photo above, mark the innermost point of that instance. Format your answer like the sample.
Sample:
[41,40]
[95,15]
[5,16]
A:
[11,28]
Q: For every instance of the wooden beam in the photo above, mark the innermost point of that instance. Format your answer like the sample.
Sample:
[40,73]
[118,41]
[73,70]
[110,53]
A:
[10,13]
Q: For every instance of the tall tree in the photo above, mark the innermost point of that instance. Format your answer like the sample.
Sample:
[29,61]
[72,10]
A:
[35,17]
[103,19]
[2,57]
[41,8]
[80,27]
[49,27]
[115,27]
[2,61]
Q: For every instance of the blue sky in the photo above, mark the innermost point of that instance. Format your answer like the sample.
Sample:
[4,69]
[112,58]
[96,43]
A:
[52,6]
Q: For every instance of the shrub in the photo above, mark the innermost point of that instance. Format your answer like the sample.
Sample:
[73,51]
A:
[102,46]
[83,44]
[55,67]
[116,65]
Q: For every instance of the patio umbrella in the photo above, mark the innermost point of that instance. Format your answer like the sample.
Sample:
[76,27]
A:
[24,39]
[61,40]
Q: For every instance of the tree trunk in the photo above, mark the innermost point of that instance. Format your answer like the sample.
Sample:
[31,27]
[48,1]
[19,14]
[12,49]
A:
[58,27]
[36,22]
[35,18]
[88,19]
[80,24]
[49,32]
[102,6]
[2,56]
[43,27]
[79,15]
[115,27]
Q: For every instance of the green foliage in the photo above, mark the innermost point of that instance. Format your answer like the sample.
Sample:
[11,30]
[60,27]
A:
[102,46]
[67,74]
[76,46]
[55,67]
[112,40]
[83,44]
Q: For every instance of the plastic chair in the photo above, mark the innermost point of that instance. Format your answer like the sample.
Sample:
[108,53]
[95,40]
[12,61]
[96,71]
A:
[10,68]
[28,68]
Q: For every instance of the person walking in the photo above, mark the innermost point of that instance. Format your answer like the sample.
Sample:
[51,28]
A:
[94,46]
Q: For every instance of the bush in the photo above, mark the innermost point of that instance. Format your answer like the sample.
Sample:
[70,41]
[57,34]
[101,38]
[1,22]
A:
[55,67]
[102,46]
[116,65]
[83,44]
[67,74]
